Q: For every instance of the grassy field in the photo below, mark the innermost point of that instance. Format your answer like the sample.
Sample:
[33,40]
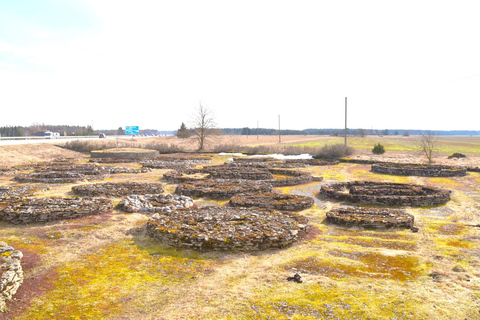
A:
[106,267]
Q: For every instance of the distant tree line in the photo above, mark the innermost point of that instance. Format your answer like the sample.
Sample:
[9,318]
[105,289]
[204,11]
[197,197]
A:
[40,129]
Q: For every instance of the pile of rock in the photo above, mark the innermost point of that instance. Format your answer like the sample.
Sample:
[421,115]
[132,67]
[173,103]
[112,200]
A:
[124,153]
[383,193]
[422,170]
[291,178]
[51,209]
[113,170]
[272,200]
[221,189]
[370,218]
[118,189]
[226,229]
[154,203]
[11,273]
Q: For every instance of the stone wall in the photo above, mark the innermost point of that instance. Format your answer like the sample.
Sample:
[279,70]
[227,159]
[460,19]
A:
[118,189]
[377,193]
[370,218]
[221,189]
[272,201]
[226,229]
[418,170]
[51,209]
[11,273]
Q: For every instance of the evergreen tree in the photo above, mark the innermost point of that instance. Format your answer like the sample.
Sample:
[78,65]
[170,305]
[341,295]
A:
[183,132]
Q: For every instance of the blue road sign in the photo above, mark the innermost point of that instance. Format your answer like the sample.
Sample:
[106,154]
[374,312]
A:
[131,130]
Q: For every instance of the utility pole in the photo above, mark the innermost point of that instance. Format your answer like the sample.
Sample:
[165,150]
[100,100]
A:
[257,129]
[279,132]
[345,121]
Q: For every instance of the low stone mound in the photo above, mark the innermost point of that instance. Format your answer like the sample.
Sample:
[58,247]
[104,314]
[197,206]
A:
[422,170]
[118,189]
[221,189]
[272,200]
[16,192]
[154,203]
[383,193]
[64,173]
[227,229]
[457,155]
[124,153]
[11,273]
[370,218]
[52,209]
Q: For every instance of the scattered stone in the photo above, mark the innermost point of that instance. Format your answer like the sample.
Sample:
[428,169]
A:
[51,209]
[11,273]
[384,193]
[272,200]
[118,189]
[414,229]
[370,218]
[154,203]
[226,229]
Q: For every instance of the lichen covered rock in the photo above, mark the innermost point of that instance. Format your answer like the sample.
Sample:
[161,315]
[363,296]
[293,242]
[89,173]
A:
[118,189]
[370,218]
[226,229]
[154,203]
[272,200]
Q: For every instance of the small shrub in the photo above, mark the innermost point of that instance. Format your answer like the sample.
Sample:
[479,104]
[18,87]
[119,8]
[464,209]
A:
[378,149]
[163,147]
[457,155]
[334,151]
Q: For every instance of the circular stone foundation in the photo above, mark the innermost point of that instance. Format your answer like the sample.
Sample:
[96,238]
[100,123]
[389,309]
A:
[272,200]
[422,170]
[52,209]
[118,189]
[221,188]
[226,229]
[124,153]
[383,193]
[64,173]
[370,218]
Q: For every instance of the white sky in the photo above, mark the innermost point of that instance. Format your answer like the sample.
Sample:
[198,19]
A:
[402,64]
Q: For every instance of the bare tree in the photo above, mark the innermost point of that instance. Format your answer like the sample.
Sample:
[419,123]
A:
[203,124]
[427,144]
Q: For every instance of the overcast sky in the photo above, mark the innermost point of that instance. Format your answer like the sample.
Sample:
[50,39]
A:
[402,64]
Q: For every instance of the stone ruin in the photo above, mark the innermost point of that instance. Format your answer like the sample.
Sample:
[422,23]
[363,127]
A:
[151,203]
[422,170]
[370,218]
[221,188]
[226,229]
[43,210]
[16,192]
[124,153]
[275,177]
[11,273]
[273,201]
[384,193]
[64,173]
[176,163]
[117,190]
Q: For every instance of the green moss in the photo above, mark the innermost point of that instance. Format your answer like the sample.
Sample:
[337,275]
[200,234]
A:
[95,286]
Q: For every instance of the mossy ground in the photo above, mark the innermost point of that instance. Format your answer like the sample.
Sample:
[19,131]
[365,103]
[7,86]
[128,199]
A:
[104,267]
